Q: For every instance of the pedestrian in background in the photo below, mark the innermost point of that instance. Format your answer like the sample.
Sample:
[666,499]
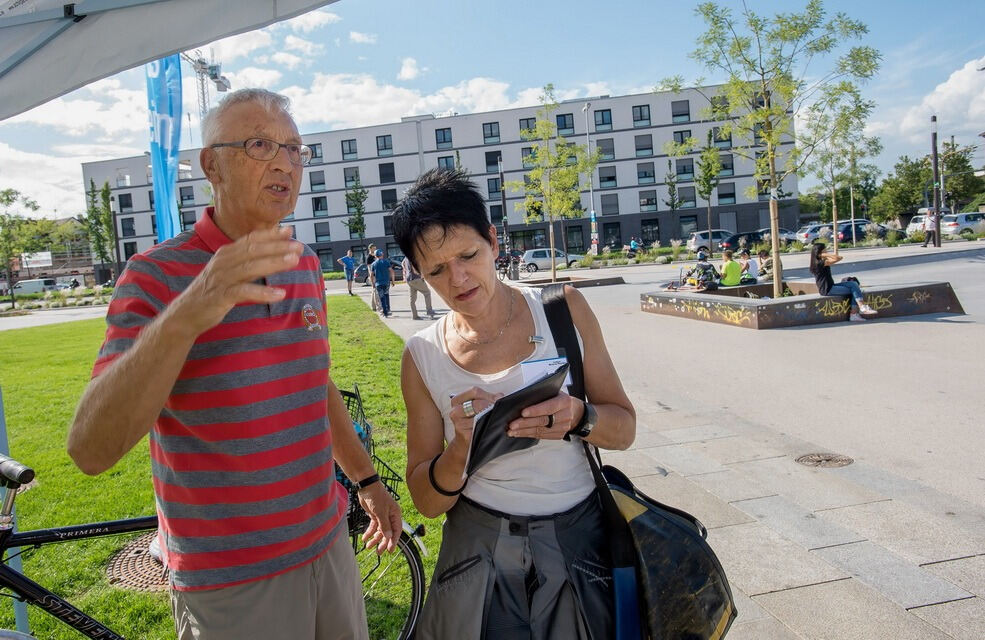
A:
[417,285]
[374,301]
[930,228]
[381,273]
[349,267]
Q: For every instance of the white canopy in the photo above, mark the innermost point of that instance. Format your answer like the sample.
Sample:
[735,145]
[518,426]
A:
[50,47]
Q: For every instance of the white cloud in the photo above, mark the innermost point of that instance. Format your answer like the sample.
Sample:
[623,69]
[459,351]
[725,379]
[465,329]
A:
[308,22]
[255,77]
[55,182]
[289,60]
[111,110]
[306,47]
[362,38]
[228,49]
[409,69]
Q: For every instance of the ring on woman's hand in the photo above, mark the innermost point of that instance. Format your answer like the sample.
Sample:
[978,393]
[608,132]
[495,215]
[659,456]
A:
[550,420]
[468,408]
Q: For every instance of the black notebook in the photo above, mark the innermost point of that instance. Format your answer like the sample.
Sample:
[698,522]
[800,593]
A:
[489,439]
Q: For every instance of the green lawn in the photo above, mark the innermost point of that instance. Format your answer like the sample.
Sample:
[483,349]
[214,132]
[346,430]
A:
[42,374]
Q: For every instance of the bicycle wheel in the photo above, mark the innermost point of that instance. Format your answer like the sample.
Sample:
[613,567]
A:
[393,589]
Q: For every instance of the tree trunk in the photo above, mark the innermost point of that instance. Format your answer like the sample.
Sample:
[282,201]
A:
[851,206]
[834,220]
[711,245]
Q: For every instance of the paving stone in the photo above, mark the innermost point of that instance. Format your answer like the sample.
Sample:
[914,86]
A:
[845,610]
[758,560]
[795,523]
[633,463]
[730,485]
[675,490]
[909,532]
[732,450]
[962,620]
[693,434]
[902,582]
[645,439]
[683,460]
[764,629]
[967,573]
[747,608]
[812,488]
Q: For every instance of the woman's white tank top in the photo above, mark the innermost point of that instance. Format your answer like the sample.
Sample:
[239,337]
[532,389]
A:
[550,477]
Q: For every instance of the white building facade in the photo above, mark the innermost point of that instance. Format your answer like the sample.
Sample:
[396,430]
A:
[629,189]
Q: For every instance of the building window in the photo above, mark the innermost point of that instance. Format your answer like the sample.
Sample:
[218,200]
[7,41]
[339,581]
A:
[126,228]
[576,239]
[757,133]
[442,138]
[641,115]
[721,142]
[315,151]
[612,236]
[607,177]
[650,232]
[527,157]
[644,146]
[319,206]
[494,187]
[153,224]
[645,173]
[325,260]
[527,124]
[687,226]
[187,194]
[387,174]
[388,198]
[610,204]
[725,160]
[187,220]
[384,145]
[150,199]
[351,176]
[446,162]
[607,148]
[126,202]
[388,226]
[680,111]
[764,190]
[492,161]
[323,232]
[719,107]
[184,169]
[603,120]
[317,179]
[648,201]
[352,236]
[129,249]
[565,124]
[122,178]
[495,213]
[490,132]
[349,150]
[682,136]
[685,169]
[686,196]
[726,193]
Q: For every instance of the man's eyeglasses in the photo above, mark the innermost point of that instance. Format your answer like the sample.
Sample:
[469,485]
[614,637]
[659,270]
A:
[264,149]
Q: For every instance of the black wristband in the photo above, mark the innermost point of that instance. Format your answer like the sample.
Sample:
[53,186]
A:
[371,480]
[434,483]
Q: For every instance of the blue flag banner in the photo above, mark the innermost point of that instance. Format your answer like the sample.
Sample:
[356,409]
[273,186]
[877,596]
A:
[164,106]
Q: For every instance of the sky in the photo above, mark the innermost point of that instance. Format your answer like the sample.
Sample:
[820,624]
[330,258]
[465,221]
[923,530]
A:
[364,62]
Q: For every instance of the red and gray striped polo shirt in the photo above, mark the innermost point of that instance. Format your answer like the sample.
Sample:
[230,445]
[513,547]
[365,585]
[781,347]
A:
[241,453]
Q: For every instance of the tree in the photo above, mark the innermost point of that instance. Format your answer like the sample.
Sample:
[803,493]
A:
[706,179]
[99,222]
[552,187]
[355,200]
[670,180]
[858,173]
[772,66]
[959,178]
[16,233]
[903,190]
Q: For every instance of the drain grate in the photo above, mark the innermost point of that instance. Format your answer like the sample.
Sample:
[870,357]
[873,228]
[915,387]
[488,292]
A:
[825,460]
[134,568]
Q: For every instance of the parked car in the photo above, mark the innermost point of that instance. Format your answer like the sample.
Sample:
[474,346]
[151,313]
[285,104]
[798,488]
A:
[699,239]
[861,230]
[38,285]
[786,235]
[534,259]
[810,232]
[738,240]
[501,258]
[916,224]
[959,223]
[362,271]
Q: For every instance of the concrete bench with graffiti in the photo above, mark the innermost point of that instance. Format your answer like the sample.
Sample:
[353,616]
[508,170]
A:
[750,307]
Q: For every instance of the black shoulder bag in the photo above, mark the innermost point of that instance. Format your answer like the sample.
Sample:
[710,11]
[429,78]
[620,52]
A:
[657,551]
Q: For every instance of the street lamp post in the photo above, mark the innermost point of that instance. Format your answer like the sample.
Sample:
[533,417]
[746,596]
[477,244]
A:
[937,184]
[594,249]
[116,243]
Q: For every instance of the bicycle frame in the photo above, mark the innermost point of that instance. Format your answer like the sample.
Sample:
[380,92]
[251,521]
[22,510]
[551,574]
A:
[33,593]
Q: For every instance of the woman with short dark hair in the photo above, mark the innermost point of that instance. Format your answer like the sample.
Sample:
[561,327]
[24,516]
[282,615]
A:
[820,266]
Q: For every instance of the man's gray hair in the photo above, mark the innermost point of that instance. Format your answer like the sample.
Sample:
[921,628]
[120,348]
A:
[267,99]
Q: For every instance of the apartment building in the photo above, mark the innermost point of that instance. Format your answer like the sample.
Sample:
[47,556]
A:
[629,190]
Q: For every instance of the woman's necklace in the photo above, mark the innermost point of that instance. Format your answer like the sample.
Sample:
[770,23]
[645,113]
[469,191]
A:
[509,319]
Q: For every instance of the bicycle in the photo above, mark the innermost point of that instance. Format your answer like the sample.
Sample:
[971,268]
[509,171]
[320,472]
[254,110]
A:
[393,584]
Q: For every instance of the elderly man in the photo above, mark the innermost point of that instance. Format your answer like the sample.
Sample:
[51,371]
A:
[217,346]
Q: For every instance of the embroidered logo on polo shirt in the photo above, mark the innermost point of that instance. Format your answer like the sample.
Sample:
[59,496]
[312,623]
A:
[310,317]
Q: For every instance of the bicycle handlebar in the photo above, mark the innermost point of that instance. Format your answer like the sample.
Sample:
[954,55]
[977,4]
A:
[14,471]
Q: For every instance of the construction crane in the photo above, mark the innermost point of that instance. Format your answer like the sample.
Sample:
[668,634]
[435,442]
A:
[206,71]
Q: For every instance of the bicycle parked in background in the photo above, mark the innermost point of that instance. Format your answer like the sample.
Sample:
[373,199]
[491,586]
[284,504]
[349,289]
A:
[393,584]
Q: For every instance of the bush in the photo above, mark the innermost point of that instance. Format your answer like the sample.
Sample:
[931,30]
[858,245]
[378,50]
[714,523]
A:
[588,260]
[795,246]
[664,251]
[918,236]
[675,248]
[666,259]
[893,238]
[619,261]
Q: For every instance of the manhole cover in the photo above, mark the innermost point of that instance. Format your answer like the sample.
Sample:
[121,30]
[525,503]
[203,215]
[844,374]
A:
[824,460]
[134,568]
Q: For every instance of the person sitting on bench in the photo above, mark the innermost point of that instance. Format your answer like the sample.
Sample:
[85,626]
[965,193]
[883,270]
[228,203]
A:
[731,271]
[703,276]
[821,262]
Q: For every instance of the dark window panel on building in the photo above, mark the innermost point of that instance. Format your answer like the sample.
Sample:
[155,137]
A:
[527,157]
[316,152]
[603,120]
[612,235]
[494,187]
[527,124]
[387,173]
[495,213]
[610,204]
[645,173]
[323,232]
[442,138]
[126,228]
[641,115]
[565,124]
[576,239]
[446,162]
[317,180]
[607,177]
[384,145]
[650,232]
[126,202]
[388,199]
[393,250]
[492,161]
[326,261]
[349,150]
[682,136]
[648,201]
[490,132]
[153,224]
[685,168]
[680,111]
[687,197]
[187,194]
[387,225]
[644,145]
[607,147]
[726,193]
[351,176]
[150,199]
[187,219]
[129,250]
[687,225]
[721,142]
[727,168]
[319,206]
[719,105]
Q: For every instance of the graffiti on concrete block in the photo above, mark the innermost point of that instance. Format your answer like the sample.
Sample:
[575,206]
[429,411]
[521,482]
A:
[732,315]
[879,302]
[694,308]
[832,308]
[919,297]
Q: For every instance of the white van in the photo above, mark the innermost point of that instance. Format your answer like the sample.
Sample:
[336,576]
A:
[39,285]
